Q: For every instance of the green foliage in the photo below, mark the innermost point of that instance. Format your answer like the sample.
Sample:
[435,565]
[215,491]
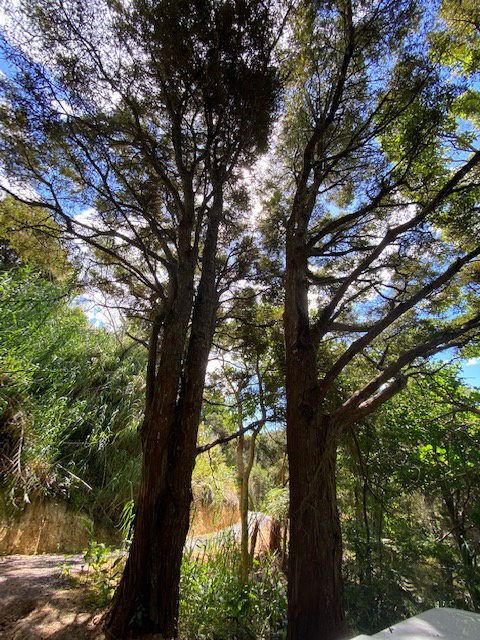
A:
[71,401]
[103,570]
[409,505]
[100,573]
[127,520]
[31,236]
[69,398]
[216,604]
[457,41]
[277,503]
[397,571]
[78,402]
[213,480]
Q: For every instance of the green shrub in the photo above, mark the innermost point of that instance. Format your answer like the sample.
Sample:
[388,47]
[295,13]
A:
[216,604]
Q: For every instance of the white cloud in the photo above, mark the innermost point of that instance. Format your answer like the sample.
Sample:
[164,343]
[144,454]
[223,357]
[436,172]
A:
[87,216]
[100,309]
[63,108]
[4,13]
[214,365]
[18,187]
[471,362]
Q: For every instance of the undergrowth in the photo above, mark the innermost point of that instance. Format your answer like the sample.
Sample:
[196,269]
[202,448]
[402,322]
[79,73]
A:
[216,604]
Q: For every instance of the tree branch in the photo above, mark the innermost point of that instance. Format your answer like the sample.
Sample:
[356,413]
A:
[376,329]
[390,236]
[252,426]
[366,402]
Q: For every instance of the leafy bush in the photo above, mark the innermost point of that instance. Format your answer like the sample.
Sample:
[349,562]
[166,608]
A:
[104,569]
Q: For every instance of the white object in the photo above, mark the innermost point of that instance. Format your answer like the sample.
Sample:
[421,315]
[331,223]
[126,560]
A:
[442,623]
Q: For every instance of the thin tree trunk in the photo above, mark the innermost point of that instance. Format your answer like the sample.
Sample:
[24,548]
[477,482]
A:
[286,532]
[275,540]
[243,504]
[243,476]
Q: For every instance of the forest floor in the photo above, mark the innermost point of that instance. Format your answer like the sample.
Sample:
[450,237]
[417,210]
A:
[38,602]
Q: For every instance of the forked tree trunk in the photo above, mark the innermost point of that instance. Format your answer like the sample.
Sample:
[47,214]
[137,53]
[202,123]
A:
[147,599]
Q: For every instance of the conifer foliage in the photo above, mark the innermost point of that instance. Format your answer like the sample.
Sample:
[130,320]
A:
[130,126]
[130,123]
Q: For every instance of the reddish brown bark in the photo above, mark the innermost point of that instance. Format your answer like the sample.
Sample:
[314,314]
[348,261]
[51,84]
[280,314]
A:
[147,599]
[315,593]
[315,584]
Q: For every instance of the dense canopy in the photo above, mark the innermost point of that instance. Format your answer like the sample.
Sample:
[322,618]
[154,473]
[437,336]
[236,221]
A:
[213,167]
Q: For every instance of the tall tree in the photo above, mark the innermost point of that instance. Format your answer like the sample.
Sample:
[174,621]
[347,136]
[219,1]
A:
[380,254]
[140,116]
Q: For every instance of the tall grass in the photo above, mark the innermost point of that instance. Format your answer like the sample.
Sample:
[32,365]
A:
[216,604]
[71,400]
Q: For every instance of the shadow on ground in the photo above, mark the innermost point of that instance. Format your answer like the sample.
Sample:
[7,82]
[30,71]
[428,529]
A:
[37,602]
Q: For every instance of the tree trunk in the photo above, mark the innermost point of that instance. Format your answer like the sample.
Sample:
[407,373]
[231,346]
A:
[275,539]
[243,505]
[147,599]
[315,593]
[243,477]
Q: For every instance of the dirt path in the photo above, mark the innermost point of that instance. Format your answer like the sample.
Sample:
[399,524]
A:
[37,602]
[229,534]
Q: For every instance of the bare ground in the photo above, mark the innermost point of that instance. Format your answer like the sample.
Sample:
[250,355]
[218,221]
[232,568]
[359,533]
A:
[37,602]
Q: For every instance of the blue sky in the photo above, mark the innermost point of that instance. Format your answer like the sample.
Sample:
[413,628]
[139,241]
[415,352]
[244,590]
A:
[470,372]
[5,67]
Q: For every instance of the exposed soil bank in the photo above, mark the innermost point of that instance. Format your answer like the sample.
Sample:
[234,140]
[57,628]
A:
[44,527]
[52,527]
